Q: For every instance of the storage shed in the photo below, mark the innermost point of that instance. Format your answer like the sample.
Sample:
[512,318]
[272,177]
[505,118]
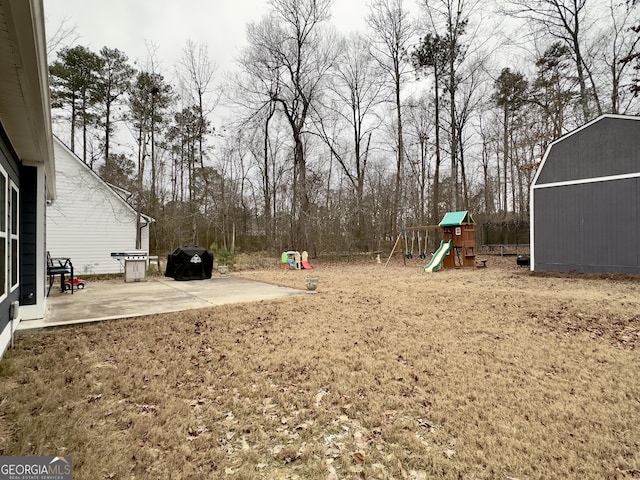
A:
[585,200]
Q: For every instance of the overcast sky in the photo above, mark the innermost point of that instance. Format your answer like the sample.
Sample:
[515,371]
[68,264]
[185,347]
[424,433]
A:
[129,25]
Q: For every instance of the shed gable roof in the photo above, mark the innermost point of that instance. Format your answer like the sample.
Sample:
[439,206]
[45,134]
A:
[607,147]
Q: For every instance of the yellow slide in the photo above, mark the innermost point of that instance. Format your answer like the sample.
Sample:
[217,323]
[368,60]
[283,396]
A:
[436,261]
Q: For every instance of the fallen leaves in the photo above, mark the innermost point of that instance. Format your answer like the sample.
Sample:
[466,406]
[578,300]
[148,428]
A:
[94,398]
[319,389]
[149,409]
[449,453]
[319,396]
[358,457]
[195,432]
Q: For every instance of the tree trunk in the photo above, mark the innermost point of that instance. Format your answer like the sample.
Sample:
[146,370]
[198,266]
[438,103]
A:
[302,233]
[266,187]
[107,137]
[142,152]
[452,135]
[435,207]
[505,158]
[398,190]
[465,193]
[84,127]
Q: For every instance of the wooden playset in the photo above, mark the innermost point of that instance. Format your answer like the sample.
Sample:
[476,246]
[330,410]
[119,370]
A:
[460,228]
[457,248]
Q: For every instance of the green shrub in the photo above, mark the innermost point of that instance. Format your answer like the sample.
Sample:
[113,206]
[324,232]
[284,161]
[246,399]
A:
[223,255]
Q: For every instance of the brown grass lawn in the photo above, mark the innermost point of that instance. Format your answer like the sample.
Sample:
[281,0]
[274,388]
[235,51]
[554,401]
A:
[382,374]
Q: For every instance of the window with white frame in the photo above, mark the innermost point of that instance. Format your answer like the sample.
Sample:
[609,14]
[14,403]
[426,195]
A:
[4,215]
[14,236]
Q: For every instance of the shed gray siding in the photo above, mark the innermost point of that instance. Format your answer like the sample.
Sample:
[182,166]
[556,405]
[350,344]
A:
[585,200]
[590,227]
[610,146]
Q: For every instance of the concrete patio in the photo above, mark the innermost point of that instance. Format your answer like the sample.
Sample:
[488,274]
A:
[113,299]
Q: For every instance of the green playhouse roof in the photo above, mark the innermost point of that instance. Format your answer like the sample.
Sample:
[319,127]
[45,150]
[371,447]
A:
[452,219]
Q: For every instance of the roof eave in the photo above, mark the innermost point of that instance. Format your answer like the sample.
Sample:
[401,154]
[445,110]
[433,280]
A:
[24,82]
[111,188]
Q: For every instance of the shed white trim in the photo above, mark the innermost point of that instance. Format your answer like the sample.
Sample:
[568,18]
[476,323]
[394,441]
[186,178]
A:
[587,180]
[564,137]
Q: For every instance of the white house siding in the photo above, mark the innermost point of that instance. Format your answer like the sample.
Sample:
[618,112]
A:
[88,221]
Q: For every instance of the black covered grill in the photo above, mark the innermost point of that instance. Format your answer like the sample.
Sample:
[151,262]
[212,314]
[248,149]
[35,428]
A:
[189,263]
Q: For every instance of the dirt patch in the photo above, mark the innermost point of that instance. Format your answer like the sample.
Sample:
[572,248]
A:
[383,373]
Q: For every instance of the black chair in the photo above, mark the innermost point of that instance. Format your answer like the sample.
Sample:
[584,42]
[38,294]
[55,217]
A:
[59,266]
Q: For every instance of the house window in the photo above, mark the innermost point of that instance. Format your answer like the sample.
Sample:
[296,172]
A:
[3,234]
[14,253]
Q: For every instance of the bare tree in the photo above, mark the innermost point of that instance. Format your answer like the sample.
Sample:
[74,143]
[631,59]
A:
[420,123]
[392,31]
[620,42]
[295,55]
[469,101]
[149,98]
[254,90]
[350,110]
[489,138]
[196,76]
[64,35]
[451,17]
[265,152]
[565,21]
